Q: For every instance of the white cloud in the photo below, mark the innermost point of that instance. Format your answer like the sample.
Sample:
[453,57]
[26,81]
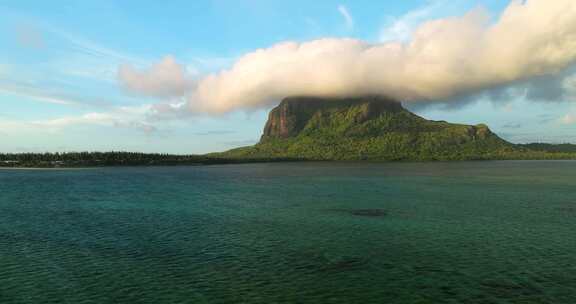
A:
[445,58]
[167,78]
[343,10]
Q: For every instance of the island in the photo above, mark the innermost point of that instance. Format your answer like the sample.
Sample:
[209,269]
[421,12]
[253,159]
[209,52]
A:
[366,128]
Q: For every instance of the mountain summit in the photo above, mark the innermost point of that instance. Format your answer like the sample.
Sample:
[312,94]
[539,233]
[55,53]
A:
[366,128]
[294,113]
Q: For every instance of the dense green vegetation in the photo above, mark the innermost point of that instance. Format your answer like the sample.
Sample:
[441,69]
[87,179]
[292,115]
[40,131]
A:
[95,159]
[361,130]
[369,128]
[550,148]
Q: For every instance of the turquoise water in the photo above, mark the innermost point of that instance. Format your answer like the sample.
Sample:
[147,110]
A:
[468,232]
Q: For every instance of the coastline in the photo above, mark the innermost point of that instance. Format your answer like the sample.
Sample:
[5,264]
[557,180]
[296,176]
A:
[242,162]
[47,168]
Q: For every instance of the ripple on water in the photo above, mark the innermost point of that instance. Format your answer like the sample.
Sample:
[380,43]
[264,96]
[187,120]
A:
[290,233]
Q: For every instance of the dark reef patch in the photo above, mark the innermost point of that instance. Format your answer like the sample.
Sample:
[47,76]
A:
[363,212]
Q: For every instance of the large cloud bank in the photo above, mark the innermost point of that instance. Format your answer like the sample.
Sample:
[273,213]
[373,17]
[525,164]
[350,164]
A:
[444,59]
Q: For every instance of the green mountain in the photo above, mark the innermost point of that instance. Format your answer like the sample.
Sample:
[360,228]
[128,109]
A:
[367,128]
[309,128]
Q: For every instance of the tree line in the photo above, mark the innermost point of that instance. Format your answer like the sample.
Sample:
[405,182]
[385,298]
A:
[97,158]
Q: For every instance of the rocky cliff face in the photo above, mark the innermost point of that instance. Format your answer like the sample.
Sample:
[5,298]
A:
[294,113]
[366,128]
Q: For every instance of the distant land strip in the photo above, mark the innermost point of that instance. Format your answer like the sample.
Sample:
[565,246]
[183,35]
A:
[112,159]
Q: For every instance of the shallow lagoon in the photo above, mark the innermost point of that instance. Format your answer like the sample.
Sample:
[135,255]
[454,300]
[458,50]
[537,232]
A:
[460,232]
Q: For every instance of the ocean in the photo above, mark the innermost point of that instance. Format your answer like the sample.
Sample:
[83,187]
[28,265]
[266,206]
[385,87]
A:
[444,232]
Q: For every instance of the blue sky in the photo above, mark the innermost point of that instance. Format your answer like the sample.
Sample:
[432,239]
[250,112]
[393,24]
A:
[60,60]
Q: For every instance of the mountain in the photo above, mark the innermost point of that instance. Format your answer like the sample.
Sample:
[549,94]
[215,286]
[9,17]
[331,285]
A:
[366,128]
[311,128]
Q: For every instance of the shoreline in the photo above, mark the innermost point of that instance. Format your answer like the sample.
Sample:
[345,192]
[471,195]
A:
[47,169]
[62,168]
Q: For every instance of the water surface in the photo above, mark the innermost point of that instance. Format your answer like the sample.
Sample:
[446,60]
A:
[461,232]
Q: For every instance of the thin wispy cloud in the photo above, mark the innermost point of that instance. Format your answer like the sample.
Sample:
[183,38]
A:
[214,132]
[568,119]
[92,48]
[74,73]
[35,95]
[512,126]
[89,59]
[401,28]
[4,70]
[47,94]
[240,143]
[348,19]
[120,117]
